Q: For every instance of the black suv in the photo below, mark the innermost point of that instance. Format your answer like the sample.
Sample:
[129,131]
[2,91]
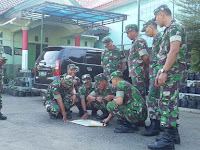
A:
[54,60]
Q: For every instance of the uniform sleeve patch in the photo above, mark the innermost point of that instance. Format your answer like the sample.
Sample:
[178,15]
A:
[120,94]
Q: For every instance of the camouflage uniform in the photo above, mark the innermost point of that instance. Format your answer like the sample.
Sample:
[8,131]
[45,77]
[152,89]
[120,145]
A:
[55,91]
[169,93]
[83,91]
[133,107]
[110,90]
[154,92]
[112,59]
[137,67]
[2,56]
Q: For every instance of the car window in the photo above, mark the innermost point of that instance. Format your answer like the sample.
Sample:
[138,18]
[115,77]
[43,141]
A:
[76,55]
[93,57]
[49,57]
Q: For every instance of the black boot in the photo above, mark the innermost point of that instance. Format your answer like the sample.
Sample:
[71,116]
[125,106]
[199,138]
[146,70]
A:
[126,127]
[153,129]
[81,112]
[52,116]
[2,117]
[176,136]
[94,113]
[68,114]
[165,143]
[104,115]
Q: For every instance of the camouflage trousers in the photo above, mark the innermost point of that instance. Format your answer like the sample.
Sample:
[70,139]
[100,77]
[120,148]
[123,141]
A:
[138,81]
[153,99]
[53,107]
[1,88]
[100,105]
[168,100]
[127,112]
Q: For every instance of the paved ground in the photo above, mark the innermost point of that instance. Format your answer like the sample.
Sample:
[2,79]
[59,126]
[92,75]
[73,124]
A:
[28,127]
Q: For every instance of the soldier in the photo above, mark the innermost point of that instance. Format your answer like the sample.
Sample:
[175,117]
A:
[172,67]
[138,60]
[84,91]
[150,28]
[112,59]
[60,97]
[71,70]
[104,92]
[2,62]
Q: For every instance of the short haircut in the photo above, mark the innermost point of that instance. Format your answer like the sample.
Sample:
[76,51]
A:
[136,29]
[167,11]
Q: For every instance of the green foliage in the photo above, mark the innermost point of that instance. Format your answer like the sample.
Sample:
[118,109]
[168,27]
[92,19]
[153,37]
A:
[190,17]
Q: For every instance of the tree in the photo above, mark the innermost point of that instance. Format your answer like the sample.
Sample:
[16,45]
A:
[190,17]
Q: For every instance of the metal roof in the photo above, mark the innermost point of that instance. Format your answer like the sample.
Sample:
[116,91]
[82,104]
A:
[71,15]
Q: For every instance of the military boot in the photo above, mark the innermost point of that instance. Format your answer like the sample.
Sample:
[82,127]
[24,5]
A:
[176,136]
[52,116]
[126,127]
[68,114]
[165,143]
[153,129]
[94,113]
[105,114]
[2,117]
[81,112]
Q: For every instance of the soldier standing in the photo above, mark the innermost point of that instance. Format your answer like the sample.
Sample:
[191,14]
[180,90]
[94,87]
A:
[103,92]
[112,59]
[2,62]
[138,60]
[60,97]
[150,28]
[84,91]
[172,67]
[127,105]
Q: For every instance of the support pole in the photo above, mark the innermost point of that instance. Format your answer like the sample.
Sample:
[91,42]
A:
[138,15]
[42,24]
[25,49]
[122,40]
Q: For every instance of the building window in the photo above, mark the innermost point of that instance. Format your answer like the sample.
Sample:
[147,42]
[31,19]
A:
[36,38]
[85,43]
[46,39]
[1,34]
[68,42]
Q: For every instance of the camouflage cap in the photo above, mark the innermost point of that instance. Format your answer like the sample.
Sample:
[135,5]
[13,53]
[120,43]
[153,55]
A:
[160,8]
[106,40]
[71,66]
[99,78]
[130,27]
[67,79]
[86,78]
[145,25]
[116,74]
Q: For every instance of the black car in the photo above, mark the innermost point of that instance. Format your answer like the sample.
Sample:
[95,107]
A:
[54,60]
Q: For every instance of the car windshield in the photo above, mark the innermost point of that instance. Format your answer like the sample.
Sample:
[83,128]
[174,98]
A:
[49,57]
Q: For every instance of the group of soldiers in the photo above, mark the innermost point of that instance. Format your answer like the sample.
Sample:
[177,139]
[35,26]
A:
[166,66]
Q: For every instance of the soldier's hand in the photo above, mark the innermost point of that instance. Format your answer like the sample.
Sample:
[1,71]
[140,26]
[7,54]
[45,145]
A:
[85,116]
[74,99]
[109,97]
[105,121]
[65,119]
[161,79]
[75,82]
[156,80]
[99,99]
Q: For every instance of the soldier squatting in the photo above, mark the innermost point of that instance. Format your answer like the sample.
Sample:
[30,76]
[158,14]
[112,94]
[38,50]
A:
[165,65]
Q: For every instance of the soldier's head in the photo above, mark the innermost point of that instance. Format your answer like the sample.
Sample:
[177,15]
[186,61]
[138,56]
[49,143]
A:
[86,79]
[162,15]
[116,77]
[108,43]
[67,80]
[132,31]
[101,81]
[71,69]
[150,28]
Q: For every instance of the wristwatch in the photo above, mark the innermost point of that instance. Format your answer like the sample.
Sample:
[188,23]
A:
[163,71]
[85,112]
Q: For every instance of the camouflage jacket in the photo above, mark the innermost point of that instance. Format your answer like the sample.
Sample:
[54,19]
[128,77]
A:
[112,60]
[138,49]
[78,82]
[110,90]
[57,90]
[83,92]
[153,55]
[174,32]
[130,94]
[2,56]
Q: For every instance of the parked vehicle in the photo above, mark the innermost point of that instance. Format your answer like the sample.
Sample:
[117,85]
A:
[54,60]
